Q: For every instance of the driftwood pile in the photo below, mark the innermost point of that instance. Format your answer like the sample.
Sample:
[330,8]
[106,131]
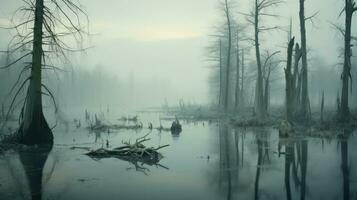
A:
[134,153]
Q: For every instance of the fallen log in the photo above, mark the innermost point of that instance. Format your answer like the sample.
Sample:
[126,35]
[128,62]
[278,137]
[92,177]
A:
[104,127]
[133,153]
[129,119]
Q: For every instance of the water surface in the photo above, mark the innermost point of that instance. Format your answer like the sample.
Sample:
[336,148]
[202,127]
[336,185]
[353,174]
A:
[205,161]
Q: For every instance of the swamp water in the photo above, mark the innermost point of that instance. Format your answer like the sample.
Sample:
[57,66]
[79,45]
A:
[205,161]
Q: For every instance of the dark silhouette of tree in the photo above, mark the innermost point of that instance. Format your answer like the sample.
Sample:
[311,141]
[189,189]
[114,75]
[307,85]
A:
[41,43]
[349,9]
[254,18]
[305,105]
[229,51]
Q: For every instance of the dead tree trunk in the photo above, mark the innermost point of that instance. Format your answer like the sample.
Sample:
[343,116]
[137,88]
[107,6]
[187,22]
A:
[267,91]
[260,108]
[220,74]
[344,114]
[304,109]
[45,39]
[34,128]
[292,81]
[242,83]
[228,64]
[2,111]
[296,79]
[289,83]
[322,106]
[237,89]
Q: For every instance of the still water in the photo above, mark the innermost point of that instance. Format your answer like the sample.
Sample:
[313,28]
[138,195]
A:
[205,161]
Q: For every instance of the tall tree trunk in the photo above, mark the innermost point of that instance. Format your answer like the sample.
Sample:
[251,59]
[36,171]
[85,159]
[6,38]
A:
[344,114]
[296,80]
[304,114]
[237,89]
[220,74]
[322,107]
[34,128]
[260,108]
[228,55]
[266,94]
[289,86]
[242,84]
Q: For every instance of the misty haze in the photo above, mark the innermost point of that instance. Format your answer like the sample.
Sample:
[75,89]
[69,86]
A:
[178,99]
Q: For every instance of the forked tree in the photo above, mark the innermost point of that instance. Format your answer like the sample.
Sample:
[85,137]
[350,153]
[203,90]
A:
[254,18]
[39,38]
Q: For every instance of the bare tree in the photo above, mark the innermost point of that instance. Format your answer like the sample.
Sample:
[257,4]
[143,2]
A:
[239,79]
[242,91]
[215,55]
[292,80]
[220,74]
[289,82]
[229,49]
[42,42]
[349,9]
[269,65]
[304,110]
[237,88]
[254,18]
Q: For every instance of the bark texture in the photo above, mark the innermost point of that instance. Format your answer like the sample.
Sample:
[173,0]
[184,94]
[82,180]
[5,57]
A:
[304,106]
[344,112]
[34,128]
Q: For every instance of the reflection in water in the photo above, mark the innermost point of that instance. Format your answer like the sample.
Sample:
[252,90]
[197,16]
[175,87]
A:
[225,160]
[229,161]
[304,152]
[289,158]
[244,164]
[262,145]
[175,135]
[293,164]
[33,160]
[259,164]
[344,166]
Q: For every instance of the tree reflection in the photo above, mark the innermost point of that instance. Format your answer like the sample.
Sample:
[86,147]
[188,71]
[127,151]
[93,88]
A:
[304,152]
[229,160]
[33,160]
[263,144]
[344,165]
[294,162]
[259,164]
[289,159]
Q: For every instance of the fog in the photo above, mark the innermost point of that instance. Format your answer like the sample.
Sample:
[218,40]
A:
[159,46]
[178,99]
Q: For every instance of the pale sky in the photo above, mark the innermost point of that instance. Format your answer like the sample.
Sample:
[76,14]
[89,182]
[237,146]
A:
[165,40]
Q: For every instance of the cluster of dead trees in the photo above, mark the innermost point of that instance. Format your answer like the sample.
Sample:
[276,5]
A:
[296,83]
[232,45]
